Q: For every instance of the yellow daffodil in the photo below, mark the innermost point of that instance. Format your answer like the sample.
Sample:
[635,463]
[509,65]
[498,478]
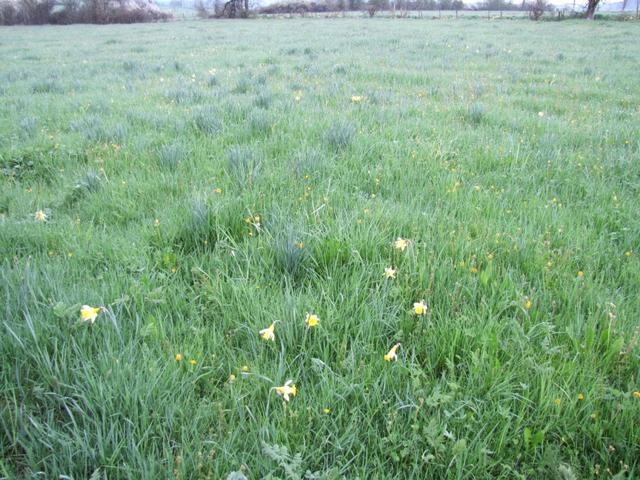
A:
[245,368]
[528,304]
[628,253]
[390,272]
[401,244]
[580,397]
[269,332]
[232,378]
[557,402]
[580,274]
[287,390]
[218,190]
[392,355]
[326,411]
[312,320]
[420,308]
[356,98]
[192,361]
[636,394]
[89,314]
[178,357]
[40,216]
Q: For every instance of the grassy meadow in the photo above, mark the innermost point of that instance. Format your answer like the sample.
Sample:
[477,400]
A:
[201,180]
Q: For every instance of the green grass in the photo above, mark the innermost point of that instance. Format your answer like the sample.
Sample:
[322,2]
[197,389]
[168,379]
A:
[202,180]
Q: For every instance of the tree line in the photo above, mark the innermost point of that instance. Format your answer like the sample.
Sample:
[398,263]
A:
[38,12]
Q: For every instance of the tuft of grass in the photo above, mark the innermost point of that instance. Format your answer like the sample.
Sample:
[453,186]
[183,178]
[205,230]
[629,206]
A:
[263,100]
[47,85]
[212,81]
[476,113]
[29,127]
[207,120]
[290,251]
[89,183]
[242,86]
[171,155]
[184,94]
[308,161]
[340,135]
[260,122]
[243,165]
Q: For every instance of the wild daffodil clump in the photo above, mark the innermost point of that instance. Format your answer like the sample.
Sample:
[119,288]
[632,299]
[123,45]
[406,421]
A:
[320,248]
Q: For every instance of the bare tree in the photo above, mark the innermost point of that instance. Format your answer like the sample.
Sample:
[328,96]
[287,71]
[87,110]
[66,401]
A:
[536,9]
[591,9]
[36,11]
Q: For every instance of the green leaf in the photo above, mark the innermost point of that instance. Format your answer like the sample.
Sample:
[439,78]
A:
[59,310]
[459,447]
[527,437]
[538,438]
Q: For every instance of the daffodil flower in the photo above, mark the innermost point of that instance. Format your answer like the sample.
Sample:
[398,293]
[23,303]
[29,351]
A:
[392,355]
[401,244]
[40,216]
[287,391]
[312,320]
[269,332]
[89,314]
[420,308]
[390,272]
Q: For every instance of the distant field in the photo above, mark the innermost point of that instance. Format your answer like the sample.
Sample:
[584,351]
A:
[203,180]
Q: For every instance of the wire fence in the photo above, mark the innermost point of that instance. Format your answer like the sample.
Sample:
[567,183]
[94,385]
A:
[450,14]
[186,13]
